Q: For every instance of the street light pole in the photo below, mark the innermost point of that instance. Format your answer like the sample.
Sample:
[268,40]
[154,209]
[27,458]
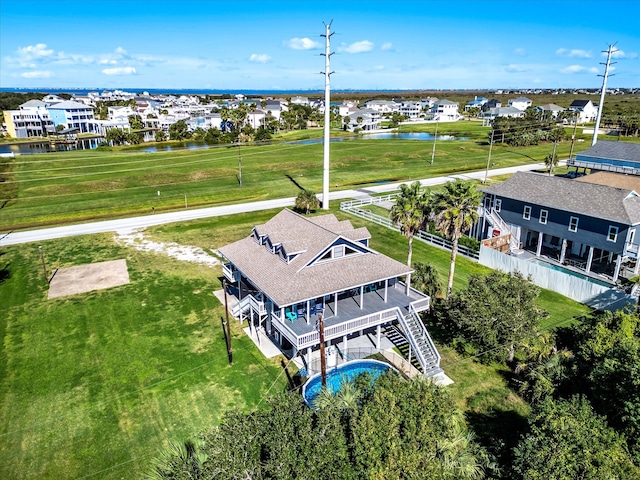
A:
[435,137]
[486,172]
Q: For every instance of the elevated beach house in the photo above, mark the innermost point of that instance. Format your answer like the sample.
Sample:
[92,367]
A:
[589,226]
[292,269]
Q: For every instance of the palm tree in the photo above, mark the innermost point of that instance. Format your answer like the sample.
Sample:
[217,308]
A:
[551,161]
[410,213]
[456,209]
[307,201]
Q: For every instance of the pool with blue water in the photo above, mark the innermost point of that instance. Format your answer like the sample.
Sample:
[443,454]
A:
[341,374]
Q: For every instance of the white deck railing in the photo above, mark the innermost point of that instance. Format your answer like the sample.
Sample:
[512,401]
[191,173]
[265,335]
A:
[354,207]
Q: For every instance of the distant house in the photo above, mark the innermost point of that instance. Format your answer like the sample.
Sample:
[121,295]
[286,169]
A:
[411,110]
[477,102]
[298,100]
[445,111]
[620,157]
[493,103]
[292,269]
[382,106]
[31,120]
[590,226]
[492,113]
[73,115]
[585,109]
[521,103]
[550,110]
[363,119]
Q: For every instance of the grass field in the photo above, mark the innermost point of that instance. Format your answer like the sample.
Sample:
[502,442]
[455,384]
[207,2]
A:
[77,186]
[94,385]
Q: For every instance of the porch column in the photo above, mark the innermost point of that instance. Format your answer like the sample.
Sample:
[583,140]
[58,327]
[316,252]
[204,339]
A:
[563,251]
[410,352]
[252,326]
[335,310]
[589,259]
[308,316]
[240,298]
[610,257]
[386,286]
[361,297]
[378,336]
[616,272]
[637,267]
[540,239]
[308,359]
[344,342]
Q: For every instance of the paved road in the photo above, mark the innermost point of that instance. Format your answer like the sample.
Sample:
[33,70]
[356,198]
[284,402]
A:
[14,238]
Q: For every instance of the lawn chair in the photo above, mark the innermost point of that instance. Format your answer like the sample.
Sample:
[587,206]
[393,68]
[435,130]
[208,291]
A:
[291,315]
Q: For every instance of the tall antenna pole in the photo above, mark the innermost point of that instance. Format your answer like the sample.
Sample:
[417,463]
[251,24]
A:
[327,115]
[609,51]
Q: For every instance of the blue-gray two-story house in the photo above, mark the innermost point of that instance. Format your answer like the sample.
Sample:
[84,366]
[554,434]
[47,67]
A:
[619,157]
[589,226]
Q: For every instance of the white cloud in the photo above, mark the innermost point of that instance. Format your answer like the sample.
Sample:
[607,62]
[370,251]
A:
[35,51]
[119,71]
[386,46]
[516,68]
[578,69]
[520,51]
[259,57]
[357,47]
[302,44]
[574,53]
[106,61]
[621,54]
[37,74]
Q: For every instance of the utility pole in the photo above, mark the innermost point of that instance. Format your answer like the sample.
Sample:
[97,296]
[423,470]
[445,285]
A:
[227,324]
[609,52]
[239,165]
[44,265]
[573,137]
[435,137]
[323,359]
[486,172]
[327,114]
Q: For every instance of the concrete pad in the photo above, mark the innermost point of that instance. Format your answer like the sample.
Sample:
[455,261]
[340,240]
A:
[264,343]
[89,277]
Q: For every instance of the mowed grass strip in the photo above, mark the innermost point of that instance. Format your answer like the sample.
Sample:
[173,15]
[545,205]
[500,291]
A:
[77,186]
[96,384]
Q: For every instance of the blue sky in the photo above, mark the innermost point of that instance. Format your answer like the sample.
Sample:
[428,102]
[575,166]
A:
[278,45]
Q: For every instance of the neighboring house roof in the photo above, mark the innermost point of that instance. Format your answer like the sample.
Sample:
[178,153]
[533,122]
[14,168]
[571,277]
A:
[444,101]
[504,112]
[612,179]
[626,151]
[550,107]
[303,278]
[598,201]
[33,104]
[520,100]
[579,103]
[68,105]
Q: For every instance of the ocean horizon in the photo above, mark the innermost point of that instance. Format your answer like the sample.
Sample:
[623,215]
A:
[211,91]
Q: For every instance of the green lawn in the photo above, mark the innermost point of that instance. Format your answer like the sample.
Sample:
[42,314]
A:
[95,384]
[63,187]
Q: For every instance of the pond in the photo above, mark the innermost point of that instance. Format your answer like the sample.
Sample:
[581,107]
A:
[341,374]
[26,148]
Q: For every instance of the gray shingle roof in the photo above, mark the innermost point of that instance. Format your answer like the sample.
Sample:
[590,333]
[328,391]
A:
[613,150]
[598,201]
[298,281]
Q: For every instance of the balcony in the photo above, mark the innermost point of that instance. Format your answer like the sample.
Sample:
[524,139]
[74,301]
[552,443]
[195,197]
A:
[231,273]
[350,318]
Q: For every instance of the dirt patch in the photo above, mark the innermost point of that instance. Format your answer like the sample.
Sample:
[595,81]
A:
[136,239]
[89,277]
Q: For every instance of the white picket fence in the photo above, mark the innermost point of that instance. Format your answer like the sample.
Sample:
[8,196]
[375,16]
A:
[357,208]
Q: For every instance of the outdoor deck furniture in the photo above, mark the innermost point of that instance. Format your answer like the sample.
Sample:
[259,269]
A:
[291,316]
